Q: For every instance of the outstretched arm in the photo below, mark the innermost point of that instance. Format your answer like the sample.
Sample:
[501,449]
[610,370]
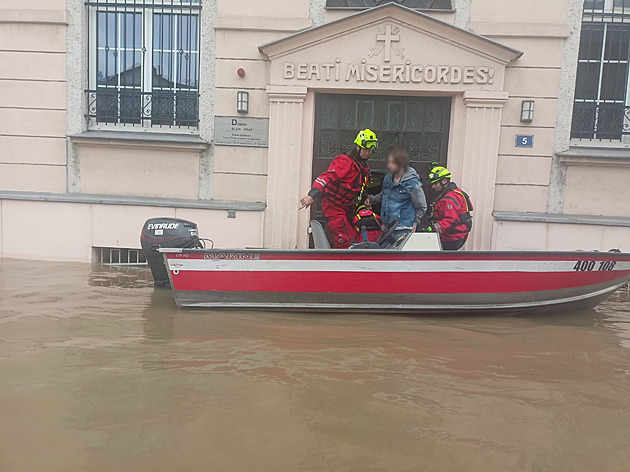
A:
[339,168]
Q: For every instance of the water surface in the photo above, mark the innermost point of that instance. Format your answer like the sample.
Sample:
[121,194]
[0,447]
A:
[100,373]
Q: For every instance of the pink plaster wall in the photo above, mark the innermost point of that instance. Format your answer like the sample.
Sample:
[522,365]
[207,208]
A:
[68,231]
[33,95]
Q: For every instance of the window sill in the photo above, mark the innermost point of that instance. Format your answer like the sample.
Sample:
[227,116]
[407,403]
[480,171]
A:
[144,140]
[134,201]
[561,218]
[595,156]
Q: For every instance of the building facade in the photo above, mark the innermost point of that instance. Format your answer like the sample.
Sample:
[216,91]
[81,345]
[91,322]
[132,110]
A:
[221,112]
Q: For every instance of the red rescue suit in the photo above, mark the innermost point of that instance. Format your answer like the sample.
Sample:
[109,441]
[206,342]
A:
[452,218]
[341,187]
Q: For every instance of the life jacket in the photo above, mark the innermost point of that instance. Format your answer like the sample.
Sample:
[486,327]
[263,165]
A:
[366,218]
[463,222]
[347,193]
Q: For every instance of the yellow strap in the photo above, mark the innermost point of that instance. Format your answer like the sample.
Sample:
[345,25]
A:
[465,199]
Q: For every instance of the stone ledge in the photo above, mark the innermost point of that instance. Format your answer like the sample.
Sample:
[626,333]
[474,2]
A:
[595,156]
[42,17]
[561,218]
[126,139]
[135,201]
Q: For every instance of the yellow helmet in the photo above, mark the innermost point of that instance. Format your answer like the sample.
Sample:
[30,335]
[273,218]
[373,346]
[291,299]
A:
[367,139]
[438,173]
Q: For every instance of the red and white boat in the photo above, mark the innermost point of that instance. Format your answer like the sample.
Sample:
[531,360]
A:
[394,281]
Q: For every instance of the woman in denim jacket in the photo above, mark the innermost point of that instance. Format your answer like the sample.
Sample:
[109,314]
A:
[402,198]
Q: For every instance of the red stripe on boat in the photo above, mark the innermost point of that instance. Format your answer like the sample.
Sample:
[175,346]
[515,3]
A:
[388,282]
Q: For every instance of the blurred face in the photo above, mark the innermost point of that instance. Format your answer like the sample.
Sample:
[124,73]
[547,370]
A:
[438,186]
[365,153]
[392,167]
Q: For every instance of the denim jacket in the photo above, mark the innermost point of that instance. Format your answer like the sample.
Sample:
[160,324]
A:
[403,201]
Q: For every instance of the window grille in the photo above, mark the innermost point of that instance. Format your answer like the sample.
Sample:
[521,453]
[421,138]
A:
[119,256]
[143,63]
[601,109]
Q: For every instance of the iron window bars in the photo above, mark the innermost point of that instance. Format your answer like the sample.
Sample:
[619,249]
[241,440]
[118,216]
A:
[601,108]
[143,63]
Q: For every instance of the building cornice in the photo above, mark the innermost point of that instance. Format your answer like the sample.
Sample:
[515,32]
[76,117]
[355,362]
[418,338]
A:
[42,17]
[94,199]
[595,156]
[138,139]
[560,218]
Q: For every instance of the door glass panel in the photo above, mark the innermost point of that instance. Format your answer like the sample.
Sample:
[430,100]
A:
[414,120]
[413,143]
[329,113]
[431,147]
[366,114]
[348,114]
[434,117]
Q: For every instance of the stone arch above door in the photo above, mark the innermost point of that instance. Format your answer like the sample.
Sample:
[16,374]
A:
[388,50]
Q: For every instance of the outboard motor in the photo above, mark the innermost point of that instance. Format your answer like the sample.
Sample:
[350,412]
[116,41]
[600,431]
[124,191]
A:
[166,233]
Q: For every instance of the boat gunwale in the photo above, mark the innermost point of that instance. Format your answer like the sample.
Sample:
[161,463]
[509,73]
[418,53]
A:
[446,255]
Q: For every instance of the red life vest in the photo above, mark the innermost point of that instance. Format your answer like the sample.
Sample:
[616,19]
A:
[365,217]
[344,182]
[452,213]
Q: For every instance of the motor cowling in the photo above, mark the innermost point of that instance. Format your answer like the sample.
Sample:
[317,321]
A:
[160,233]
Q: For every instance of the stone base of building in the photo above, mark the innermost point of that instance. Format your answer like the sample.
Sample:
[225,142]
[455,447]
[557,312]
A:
[73,227]
[69,227]
[541,231]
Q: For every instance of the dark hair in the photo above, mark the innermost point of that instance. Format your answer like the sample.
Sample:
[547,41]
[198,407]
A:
[400,157]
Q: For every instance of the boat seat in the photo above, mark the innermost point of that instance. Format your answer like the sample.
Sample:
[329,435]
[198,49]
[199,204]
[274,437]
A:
[400,242]
[422,242]
[319,235]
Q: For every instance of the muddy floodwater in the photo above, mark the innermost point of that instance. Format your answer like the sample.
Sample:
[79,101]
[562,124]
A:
[98,372]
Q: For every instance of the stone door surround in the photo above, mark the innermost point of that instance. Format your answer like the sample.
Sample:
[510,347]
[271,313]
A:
[387,50]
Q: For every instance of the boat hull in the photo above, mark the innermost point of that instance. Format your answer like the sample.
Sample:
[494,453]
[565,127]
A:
[395,282]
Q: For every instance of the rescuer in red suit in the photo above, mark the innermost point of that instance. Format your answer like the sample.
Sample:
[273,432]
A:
[342,186]
[452,209]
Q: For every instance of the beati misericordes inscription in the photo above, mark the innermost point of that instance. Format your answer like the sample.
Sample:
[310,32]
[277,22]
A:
[393,66]
[403,73]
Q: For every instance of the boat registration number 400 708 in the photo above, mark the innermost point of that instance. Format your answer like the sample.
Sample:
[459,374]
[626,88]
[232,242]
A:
[590,265]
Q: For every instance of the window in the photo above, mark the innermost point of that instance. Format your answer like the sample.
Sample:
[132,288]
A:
[602,96]
[417,4]
[144,63]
